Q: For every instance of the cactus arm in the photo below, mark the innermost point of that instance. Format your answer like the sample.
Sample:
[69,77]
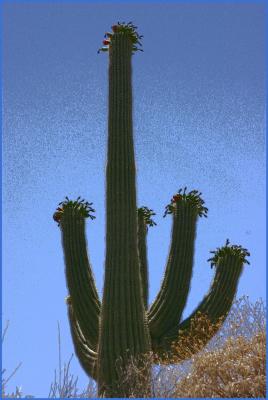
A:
[80,281]
[86,356]
[170,301]
[144,220]
[168,306]
[123,322]
[142,246]
[215,305]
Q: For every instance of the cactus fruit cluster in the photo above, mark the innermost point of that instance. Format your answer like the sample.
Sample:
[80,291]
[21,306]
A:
[122,325]
[122,28]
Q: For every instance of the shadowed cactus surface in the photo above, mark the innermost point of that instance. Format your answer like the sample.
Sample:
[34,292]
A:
[122,327]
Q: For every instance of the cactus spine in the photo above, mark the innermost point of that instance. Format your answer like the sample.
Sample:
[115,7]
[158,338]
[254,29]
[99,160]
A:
[122,325]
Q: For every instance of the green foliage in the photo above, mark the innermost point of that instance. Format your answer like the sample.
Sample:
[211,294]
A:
[193,198]
[79,207]
[121,28]
[147,213]
[222,253]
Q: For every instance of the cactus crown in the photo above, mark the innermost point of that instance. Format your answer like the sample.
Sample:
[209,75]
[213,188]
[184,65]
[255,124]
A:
[82,208]
[122,28]
[147,214]
[229,250]
[193,198]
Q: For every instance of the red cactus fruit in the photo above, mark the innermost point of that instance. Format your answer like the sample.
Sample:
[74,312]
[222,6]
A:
[57,216]
[176,198]
[106,42]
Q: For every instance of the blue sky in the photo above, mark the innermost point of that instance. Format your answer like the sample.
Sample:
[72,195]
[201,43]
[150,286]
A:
[199,121]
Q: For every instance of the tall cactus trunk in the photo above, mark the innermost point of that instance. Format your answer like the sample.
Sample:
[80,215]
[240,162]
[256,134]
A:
[123,328]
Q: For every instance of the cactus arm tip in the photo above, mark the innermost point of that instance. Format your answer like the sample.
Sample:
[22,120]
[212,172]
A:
[121,28]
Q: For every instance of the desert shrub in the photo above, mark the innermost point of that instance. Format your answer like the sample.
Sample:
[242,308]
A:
[65,384]
[232,364]
[237,369]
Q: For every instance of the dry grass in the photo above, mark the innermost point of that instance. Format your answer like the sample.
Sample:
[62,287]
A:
[235,370]
[232,364]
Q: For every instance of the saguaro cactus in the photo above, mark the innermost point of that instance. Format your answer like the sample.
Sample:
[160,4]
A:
[122,325]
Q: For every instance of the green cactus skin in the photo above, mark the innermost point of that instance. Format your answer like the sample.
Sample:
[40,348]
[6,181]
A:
[122,326]
[168,306]
[86,356]
[144,219]
[170,302]
[123,320]
[142,246]
[79,275]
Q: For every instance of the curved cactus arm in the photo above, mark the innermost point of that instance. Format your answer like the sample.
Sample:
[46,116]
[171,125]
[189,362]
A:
[144,219]
[81,286]
[169,304]
[215,306]
[86,356]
